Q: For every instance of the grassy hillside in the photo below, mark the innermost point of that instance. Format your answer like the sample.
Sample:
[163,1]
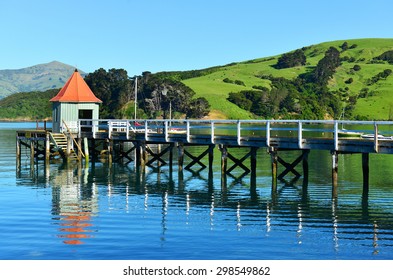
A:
[378,103]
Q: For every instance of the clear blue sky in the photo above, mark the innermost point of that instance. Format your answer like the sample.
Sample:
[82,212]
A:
[166,35]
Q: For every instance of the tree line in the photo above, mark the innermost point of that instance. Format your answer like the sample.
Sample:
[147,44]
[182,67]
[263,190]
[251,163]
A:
[157,95]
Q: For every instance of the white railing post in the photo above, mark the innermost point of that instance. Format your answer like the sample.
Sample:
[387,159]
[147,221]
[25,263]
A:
[166,130]
[336,135]
[268,133]
[212,132]
[238,133]
[375,137]
[188,131]
[94,127]
[146,131]
[109,129]
[300,134]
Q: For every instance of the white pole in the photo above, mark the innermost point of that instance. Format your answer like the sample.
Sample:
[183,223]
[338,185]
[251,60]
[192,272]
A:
[136,97]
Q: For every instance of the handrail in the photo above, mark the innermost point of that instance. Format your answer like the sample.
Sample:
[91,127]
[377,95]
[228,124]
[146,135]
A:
[301,129]
[73,139]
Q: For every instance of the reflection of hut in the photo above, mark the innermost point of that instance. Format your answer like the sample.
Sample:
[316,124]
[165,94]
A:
[74,204]
[74,101]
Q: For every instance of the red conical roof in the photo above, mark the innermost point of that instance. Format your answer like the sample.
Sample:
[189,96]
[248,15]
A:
[76,90]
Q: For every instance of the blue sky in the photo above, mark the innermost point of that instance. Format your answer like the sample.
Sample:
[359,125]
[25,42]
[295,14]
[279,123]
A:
[166,35]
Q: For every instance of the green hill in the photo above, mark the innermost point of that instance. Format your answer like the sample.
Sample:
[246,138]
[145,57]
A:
[373,101]
[361,84]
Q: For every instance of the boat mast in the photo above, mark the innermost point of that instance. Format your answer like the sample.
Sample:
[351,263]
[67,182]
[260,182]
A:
[136,97]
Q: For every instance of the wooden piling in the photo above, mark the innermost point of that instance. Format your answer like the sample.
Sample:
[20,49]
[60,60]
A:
[47,148]
[305,168]
[180,149]
[32,152]
[334,173]
[274,162]
[224,164]
[110,151]
[86,149]
[253,163]
[365,169]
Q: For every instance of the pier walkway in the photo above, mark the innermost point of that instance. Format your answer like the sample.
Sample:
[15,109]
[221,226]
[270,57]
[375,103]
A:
[276,136]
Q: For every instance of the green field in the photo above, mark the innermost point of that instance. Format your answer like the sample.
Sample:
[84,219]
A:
[378,105]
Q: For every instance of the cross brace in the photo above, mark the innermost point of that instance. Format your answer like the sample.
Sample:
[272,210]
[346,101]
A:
[157,157]
[290,167]
[239,162]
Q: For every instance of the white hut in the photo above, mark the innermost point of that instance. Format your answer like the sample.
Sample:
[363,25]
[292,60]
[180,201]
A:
[74,101]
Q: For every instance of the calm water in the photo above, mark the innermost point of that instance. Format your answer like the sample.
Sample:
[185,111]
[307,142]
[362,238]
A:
[112,212]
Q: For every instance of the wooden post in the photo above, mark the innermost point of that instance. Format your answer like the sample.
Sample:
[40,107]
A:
[180,149]
[211,158]
[274,159]
[144,155]
[171,158]
[32,153]
[224,164]
[110,151]
[137,154]
[86,149]
[93,150]
[253,179]
[47,148]
[305,168]
[18,149]
[68,152]
[18,155]
[366,169]
[334,173]
[79,145]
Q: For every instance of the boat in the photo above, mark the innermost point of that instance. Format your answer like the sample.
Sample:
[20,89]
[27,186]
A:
[349,133]
[380,137]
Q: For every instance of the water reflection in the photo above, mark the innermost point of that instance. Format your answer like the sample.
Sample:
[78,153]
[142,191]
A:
[74,203]
[237,205]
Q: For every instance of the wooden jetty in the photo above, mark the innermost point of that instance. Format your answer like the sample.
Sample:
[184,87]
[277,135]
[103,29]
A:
[136,141]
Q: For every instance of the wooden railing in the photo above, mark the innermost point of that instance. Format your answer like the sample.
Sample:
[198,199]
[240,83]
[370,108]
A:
[241,129]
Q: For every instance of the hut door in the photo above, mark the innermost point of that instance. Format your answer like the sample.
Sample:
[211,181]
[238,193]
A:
[86,115]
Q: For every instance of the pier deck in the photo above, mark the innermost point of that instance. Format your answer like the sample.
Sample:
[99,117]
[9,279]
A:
[276,136]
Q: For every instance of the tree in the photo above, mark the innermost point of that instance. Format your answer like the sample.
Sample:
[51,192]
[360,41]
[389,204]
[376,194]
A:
[161,92]
[326,67]
[113,87]
[198,108]
[288,60]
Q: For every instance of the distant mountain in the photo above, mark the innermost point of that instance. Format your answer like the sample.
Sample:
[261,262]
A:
[39,77]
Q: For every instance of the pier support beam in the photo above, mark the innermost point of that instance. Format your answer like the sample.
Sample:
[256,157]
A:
[274,164]
[141,155]
[47,148]
[366,170]
[334,173]
[253,179]
[224,164]
[305,167]
[180,151]
[86,148]
[32,152]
